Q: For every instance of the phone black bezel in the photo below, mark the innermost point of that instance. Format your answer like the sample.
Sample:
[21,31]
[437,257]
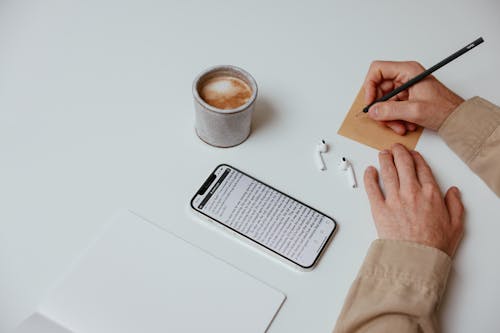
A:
[320,252]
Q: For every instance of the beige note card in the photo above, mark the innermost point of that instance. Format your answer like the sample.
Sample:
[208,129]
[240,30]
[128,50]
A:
[359,127]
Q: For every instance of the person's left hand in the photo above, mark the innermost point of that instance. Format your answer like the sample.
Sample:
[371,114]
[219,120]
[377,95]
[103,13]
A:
[412,207]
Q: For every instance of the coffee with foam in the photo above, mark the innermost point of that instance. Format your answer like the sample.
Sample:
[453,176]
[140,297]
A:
[224,100]
[225,92]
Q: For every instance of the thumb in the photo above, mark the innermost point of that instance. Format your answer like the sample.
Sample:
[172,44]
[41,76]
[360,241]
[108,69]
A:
[396,110]
[455,206]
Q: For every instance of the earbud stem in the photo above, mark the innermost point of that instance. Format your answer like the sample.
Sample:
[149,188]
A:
[351,177]
[319,162]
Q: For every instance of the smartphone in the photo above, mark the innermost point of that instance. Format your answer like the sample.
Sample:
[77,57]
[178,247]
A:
[263,215]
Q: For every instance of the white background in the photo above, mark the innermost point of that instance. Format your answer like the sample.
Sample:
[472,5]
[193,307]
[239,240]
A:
[96,114]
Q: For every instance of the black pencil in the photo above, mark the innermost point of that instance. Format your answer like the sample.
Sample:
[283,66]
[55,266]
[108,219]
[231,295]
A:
[425,73]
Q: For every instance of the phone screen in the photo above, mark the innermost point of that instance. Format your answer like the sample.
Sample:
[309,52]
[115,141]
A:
[264,215]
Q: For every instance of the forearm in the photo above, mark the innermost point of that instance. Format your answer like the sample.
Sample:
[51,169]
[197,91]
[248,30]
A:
[472,131]
[398,289]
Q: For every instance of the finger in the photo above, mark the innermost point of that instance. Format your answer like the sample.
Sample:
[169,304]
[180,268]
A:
[372,188]
[411,127]
[402,96]
[412,112]
[397,126]
[456,213]
[386,86]
[405,167]
[392,70]
[424,172]
[370,92]
[375,90]
[388,172]
[455,206]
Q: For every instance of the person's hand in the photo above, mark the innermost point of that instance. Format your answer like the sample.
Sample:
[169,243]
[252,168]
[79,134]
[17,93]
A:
[412,207]
[427,103]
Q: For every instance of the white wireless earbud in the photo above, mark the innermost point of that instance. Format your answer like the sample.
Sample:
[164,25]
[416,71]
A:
[321,148]
[346,166]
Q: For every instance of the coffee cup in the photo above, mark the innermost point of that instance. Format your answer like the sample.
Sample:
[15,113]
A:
[224,98]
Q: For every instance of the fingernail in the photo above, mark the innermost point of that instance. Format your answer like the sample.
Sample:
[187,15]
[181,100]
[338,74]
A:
[374,110]
[457,191]
[385,151]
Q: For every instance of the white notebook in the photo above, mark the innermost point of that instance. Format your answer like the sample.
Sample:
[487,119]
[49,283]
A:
[139,278]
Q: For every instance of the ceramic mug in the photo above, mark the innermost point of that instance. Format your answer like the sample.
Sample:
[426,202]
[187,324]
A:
[223,127]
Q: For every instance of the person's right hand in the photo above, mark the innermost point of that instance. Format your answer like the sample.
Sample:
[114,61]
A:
[427,103]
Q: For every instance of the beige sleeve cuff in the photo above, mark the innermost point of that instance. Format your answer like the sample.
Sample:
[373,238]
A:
[472,131]
[408,264]
[466,129]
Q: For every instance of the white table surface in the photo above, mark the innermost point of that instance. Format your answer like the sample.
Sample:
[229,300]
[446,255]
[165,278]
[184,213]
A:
[96,114]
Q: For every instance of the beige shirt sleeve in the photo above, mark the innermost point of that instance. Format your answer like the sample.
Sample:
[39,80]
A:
[398,289]
[472,131]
